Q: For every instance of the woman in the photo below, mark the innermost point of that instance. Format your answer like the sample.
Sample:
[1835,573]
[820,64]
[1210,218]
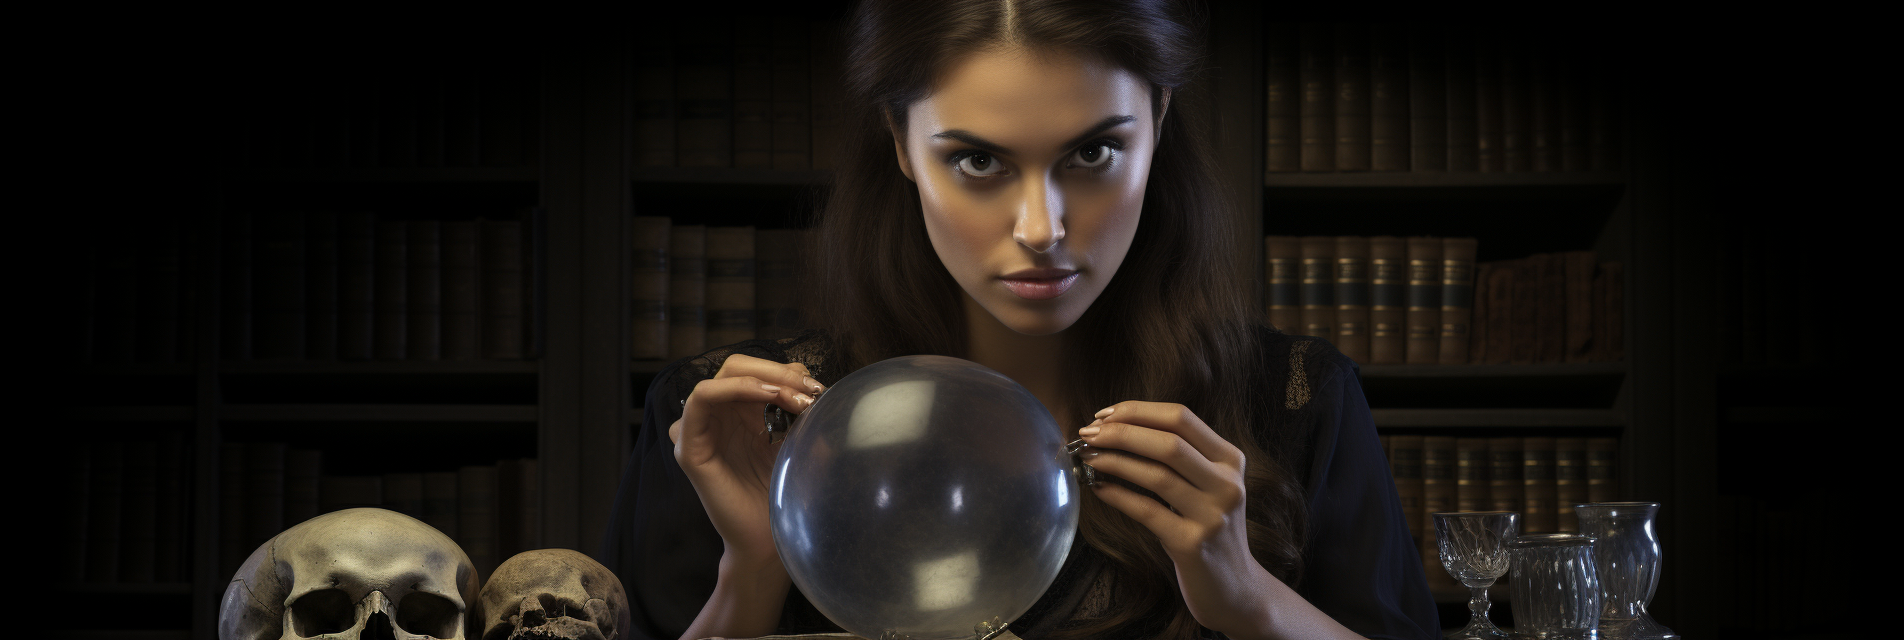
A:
[1018,193]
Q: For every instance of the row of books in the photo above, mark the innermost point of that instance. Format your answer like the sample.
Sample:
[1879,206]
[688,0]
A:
[1424,300]
[492,511]
[1434,97]
[696,287]
[140,293]
[125,510]
[352,286]
[756,93]
[1540,478]
[378,113]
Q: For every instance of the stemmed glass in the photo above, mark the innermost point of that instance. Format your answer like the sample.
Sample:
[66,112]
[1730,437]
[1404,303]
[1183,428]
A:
[1474,550]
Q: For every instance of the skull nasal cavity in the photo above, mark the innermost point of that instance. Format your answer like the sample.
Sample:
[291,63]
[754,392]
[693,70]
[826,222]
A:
[378,627]
[532,613]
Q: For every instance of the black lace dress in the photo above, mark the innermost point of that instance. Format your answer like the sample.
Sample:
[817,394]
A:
[1361,566]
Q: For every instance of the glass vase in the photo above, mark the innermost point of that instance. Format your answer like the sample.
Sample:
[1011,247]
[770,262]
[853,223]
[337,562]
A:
[1627,555]
[1555,586]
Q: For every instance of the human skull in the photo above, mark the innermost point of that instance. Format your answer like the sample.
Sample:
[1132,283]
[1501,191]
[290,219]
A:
[551,594]
[348,575]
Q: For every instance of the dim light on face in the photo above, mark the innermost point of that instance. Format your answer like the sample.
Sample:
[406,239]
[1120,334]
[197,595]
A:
[1031,168]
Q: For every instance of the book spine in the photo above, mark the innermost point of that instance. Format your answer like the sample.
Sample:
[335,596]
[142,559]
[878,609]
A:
[1317,74]
[1283,93]
[704,88]
[303,477]
[1283,270]
[1437,494]
[1541,496]
[1487,107]
[1609,286]
[1464,134]
[1516,106]
[1457,298]
[504,290]
[1427,99]
[1543,111]
[105,512]
[263,491]
[648,286]
[730,285]
[687,290]
[356,286]
[1318,286]
[476,516]
[827,50]
[1352,108]
[1405,462]
[462,291]
[1424,300]
[440,508]
[320,285]
[1503,285]
[1578,269]
[1526,311]
[392,297]
[792,102]
[403,493]
[1570,481]
[138,558]
[753,94]
[233,546]
[1505,490]
[1388,99]
[1603,479]
[1352,297]
[776,297]
[423,333]
[349,492]
[654,103]
[279,290]
[1471,475]
[1478,326]
[172,500]
[1551,309]
[1388,300]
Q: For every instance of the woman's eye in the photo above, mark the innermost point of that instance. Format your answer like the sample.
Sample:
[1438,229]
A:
[979,165]
[1094,156]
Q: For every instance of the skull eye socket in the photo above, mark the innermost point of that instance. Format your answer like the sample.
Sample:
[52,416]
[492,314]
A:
[428,614]
[321,612]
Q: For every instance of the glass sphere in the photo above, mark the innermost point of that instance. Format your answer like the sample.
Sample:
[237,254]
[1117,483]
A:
[923,496]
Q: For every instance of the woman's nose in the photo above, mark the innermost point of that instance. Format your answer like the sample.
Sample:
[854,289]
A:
[1040,222]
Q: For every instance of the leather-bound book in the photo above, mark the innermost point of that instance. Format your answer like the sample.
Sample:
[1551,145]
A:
[1424,300]
[1427,98]
[1317,73]
[730,285]
[1471,488]
[278,260]
[1540,499]
[1478,316]
[1457,298]
[653,103]
[1505,489]
[392,306]
[1405,463]
[1464,134]
[1526,311]
[320,286]
[1318,286]
[505,293]
[827,55]
[776,290]
[1352,107]
[1543,111]
[1603,471]
[1438,465]
[1570,481]
[1551,309]
[424,339]
[462,296]
[1516,106]
[687,290]
[1388,98]
[1577,268]
[1352,297]
[1609,286]
[792,104]
[476,517]
[1283,96]
[648,287]
[356,285]
[704,92]
[1388,300]
[1502,310]
[753,93]
[1488,97]
[1282,256]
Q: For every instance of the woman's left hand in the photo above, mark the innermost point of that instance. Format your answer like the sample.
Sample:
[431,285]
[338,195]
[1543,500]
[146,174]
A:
[1198,476]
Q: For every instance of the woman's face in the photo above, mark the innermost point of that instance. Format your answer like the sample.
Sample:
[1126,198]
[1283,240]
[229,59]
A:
[1031,167]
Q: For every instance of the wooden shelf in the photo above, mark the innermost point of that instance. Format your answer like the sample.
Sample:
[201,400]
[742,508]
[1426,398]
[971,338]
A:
[1570,369]
[133,414]
[1396,179]
[397,367]
[702,175]
[386,174]
[378,413]
[1512,418]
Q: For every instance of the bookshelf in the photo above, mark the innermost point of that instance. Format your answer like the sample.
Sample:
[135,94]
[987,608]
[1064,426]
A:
[573,403]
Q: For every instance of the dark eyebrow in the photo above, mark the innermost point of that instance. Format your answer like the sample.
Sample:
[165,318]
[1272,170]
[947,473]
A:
[968,137]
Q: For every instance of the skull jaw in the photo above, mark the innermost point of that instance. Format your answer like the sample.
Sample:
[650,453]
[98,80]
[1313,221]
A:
[560,629]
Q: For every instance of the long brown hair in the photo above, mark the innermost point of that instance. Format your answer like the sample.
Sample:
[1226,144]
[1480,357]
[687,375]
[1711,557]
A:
[1184,331]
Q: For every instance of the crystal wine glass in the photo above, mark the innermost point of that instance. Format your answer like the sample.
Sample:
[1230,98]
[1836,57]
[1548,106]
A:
[1474,550]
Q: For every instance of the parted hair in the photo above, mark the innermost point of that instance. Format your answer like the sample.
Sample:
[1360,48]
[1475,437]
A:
[1181,331]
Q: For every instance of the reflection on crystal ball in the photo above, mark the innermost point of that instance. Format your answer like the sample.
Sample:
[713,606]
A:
[923,495]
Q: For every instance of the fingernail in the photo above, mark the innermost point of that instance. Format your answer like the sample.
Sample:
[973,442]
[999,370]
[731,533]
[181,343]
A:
[1107,411]
[1088,431]
[1090,454]
[803,398]
[769,387]
[813,384]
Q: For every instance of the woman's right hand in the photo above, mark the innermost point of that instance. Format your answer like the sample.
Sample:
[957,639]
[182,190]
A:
[721,443]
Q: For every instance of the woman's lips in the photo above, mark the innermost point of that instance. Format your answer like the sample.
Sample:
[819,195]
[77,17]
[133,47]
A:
[1040,284]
